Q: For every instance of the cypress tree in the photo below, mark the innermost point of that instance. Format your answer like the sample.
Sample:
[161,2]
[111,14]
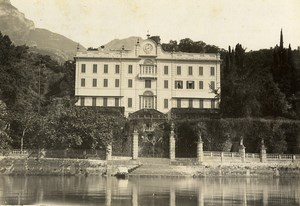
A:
[283,70]
[281,40]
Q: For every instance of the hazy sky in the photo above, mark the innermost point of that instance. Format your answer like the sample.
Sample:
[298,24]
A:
[253,23]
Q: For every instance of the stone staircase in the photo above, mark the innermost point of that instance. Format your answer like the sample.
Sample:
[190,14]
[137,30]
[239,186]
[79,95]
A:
[154,161]
[160,167]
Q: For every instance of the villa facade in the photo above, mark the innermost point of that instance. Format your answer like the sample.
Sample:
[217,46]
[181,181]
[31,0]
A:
[147,78]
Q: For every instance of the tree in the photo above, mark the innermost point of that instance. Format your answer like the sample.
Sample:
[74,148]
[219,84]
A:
[5,139]
[188,45]
[83,128]
[248,88]
[64,84]
[186,139]
[238,97]
[24,123]
[172,46]
[272,101]
[7,50]
[156,39]
[284,71]
[277,141]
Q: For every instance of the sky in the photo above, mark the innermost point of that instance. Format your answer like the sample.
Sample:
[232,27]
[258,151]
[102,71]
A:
[255,24]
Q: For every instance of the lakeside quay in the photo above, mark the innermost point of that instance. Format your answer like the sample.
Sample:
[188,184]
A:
[69,167]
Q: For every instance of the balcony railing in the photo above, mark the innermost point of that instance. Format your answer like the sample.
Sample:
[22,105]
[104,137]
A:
[147,75]
[148,71]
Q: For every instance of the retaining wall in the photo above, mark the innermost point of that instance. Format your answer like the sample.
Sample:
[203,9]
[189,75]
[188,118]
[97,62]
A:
[55,166]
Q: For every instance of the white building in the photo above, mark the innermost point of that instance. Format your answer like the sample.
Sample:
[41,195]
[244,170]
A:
[147,77]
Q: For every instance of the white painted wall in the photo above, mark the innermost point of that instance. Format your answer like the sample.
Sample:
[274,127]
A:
[161,59]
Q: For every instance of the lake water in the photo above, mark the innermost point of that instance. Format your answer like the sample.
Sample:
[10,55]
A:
[91,190]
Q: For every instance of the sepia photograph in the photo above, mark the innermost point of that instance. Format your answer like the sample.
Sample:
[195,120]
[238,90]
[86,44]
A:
[150,103]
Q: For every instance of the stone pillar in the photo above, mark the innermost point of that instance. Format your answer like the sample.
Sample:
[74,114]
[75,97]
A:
[108,152]
[294,158]
[263,152]
[135,145]
[222,156]
[242,150]
[172,143]
[200,150]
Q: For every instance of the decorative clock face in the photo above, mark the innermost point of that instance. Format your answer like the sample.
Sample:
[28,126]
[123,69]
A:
[148,48]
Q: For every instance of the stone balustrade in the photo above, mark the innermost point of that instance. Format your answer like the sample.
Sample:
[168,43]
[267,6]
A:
[202,156]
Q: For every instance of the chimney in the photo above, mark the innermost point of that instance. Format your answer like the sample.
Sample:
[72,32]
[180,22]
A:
[148,35]
[137,46]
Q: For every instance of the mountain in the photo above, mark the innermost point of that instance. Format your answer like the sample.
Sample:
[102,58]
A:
[117,44]
[23,31]
[13,23]
[55,43]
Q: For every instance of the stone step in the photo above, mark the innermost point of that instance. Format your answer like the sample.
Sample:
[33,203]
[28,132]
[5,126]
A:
[154,161]
[122,162]
[150,171]
[162,170]
[185,161]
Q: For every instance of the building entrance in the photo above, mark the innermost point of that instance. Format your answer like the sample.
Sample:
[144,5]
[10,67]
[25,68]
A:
[150,125]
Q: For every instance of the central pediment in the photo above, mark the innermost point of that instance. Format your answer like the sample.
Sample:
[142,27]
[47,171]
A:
[148,48]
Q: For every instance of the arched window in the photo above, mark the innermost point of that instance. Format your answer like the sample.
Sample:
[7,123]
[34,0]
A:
[148,93]
[148,100]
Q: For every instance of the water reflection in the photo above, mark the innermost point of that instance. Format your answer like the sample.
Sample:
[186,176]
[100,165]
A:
[148,191]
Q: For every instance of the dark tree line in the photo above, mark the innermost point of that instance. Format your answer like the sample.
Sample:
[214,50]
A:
[280,136]
[37,104]
[187,45]
[263,83]
[284,70]
[259,83]
[37,95]
[256,85]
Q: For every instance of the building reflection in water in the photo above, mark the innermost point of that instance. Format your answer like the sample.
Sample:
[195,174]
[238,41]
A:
[148,191]
[134,195]
[172,196]
[200,197]
[243,191]
[108,191]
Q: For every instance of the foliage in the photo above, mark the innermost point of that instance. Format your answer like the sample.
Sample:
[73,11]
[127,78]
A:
[281,136]
[188,45]
[38,94]
[248,89]
[122,140]
[215,134]
[64,85]
[283,69]
[25,127]
[153,139]
[186,139]
[83,128]
[26,87]
[5,139]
